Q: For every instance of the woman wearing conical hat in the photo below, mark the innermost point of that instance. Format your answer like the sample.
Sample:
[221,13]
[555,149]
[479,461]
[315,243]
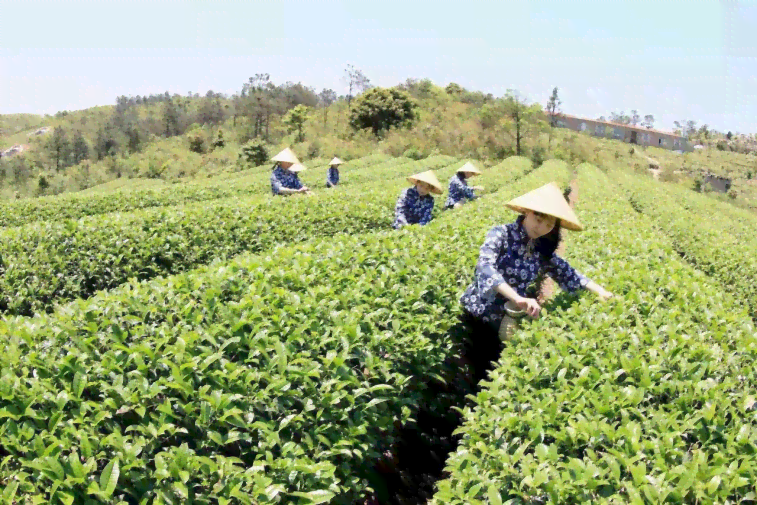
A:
[284,179]
[416,204]
[459,191]
[332,177]
[512,257]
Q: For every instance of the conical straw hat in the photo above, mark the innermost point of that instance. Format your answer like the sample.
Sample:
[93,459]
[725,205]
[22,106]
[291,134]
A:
[335,161]
[429,178]
[547,199]
[297,167]
[469,167]
[287,156]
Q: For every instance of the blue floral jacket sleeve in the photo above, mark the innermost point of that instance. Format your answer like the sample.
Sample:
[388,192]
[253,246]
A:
[458,191]
[463,189]
[565,275]
[486,268]
[400,219]
[275,183]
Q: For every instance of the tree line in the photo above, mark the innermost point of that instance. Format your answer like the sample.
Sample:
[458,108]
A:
[632,119]
[137,120]
[686,127]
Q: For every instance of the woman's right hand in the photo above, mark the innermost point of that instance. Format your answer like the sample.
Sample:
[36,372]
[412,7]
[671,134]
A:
[529,305]
[605,295]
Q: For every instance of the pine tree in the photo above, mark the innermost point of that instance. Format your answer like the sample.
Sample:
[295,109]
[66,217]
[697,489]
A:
[60,148]
[80,148]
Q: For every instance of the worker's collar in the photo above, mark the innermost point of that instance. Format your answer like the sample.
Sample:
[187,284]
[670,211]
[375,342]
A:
[520,234]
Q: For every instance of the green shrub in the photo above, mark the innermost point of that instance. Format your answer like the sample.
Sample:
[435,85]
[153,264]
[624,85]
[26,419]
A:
[219,141]
[562,154]
[698,184]
[413,154]
[314,149]
[198,142]
[42,184]
[254,153]
[538,156]
[382,108]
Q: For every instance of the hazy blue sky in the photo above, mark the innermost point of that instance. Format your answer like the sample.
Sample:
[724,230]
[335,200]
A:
[676,60]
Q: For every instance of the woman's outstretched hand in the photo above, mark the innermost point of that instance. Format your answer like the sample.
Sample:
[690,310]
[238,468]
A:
[529,305]
[598,290]
[605,295]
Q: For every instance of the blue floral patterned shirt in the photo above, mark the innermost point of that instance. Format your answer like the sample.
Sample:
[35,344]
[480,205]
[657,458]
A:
[506,256]
[332,177]
[281,178]
[458,191]
[412,208]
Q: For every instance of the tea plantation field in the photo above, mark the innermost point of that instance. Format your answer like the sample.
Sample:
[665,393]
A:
[211,344]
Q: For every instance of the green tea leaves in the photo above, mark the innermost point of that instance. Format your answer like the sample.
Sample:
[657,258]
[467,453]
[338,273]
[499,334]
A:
[109,478]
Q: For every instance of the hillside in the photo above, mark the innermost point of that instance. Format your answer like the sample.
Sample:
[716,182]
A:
[13,124]
[148,141]
[150,137]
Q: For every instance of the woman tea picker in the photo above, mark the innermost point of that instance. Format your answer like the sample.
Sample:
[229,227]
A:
[332,176]
[415,204]
[514,255]
[284,179]
[459,191]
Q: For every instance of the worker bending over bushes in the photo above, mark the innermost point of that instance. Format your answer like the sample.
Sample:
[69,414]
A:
[332,175]
[415,204]
[512,257]
[459,191]
[284,179]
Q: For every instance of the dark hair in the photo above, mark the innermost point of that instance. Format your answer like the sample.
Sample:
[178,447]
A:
[461,176]
[546,245]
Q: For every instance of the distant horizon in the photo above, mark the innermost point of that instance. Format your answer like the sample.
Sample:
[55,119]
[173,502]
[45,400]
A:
[676,62]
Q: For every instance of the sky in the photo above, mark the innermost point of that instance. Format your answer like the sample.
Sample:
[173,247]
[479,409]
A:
[677,60]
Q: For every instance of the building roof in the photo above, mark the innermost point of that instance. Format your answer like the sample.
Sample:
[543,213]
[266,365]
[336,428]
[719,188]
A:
[610,123]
